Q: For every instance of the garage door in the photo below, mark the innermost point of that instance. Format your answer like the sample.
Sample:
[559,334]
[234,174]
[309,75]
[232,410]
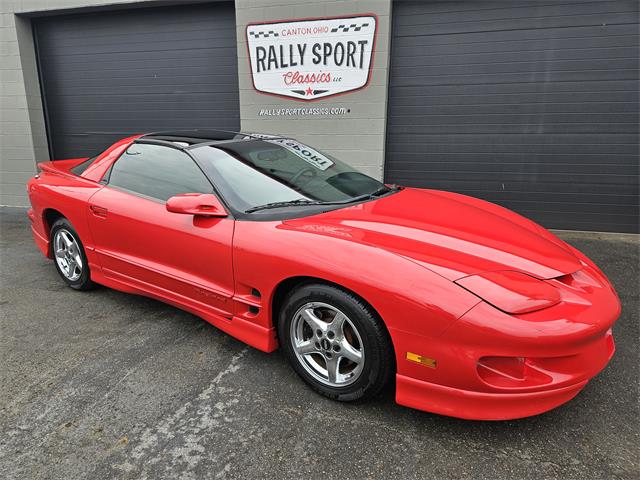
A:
[533,105]
[108,74]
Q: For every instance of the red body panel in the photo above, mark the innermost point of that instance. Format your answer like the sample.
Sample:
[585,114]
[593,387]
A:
[402,254]
[138,240]
[450,234]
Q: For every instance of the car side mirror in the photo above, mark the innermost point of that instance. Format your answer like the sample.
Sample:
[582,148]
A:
[200,204]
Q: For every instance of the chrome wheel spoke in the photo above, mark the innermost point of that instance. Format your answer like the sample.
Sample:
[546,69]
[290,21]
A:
[337,324]
[59,243]
[66,238]
[305,348]
[349,352]
[312,320]
[332,369]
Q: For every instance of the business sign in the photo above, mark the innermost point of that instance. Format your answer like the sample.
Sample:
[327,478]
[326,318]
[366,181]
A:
[312,58]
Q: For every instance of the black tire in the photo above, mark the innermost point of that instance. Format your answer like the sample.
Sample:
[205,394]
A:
[379,363]
[83,282]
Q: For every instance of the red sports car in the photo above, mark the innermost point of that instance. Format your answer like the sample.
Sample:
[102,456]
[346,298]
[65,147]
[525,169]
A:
[475,311]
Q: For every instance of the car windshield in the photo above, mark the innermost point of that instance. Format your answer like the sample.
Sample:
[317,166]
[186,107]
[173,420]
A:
[281,172]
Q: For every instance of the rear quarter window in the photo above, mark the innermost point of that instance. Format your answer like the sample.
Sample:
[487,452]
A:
[81,167]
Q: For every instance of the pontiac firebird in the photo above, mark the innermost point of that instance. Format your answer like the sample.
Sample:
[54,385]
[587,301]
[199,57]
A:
[475,312]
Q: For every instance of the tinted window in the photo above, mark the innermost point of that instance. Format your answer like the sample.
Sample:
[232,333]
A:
[81,167]
[158,172]
[256,172]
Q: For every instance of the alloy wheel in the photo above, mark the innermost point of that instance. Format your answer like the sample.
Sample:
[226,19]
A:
[67,254]
[327,344]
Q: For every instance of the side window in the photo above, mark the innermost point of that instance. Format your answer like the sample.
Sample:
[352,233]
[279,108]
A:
[157,172]
[81,167]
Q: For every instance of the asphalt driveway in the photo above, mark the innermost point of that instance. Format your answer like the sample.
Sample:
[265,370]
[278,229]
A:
[104,384]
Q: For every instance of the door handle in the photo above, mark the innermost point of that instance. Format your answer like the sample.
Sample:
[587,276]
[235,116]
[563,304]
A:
[100,212]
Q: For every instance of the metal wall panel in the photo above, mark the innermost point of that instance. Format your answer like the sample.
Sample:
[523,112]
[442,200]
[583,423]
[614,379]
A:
[108,74]
[532,105]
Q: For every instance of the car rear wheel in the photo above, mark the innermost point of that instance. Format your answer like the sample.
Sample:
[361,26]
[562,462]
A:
[69,257]
[335,342]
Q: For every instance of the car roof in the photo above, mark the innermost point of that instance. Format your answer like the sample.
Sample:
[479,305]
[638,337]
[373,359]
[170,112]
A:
[198,137]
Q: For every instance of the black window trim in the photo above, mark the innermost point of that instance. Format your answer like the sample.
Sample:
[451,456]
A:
[157,141]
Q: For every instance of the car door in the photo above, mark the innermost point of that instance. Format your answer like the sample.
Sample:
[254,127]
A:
[182,258]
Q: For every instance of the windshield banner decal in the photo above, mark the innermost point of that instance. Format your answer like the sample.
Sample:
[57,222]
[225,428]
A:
[301,150]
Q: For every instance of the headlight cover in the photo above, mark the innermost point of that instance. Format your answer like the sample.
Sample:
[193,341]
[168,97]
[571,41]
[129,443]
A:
[510,291]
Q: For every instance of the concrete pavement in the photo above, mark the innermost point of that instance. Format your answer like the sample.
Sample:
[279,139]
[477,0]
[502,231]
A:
[104,384]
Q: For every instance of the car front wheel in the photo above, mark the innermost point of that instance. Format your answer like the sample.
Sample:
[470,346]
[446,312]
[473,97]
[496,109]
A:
[335,342]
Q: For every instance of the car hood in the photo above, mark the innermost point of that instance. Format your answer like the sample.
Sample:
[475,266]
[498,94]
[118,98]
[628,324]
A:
[451,234]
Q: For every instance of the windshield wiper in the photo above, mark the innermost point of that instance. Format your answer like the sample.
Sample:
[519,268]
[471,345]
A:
[302,201]
[290,203]
[381,191]
[367,196]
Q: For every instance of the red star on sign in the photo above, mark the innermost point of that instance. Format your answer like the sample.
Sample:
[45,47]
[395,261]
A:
[309,91]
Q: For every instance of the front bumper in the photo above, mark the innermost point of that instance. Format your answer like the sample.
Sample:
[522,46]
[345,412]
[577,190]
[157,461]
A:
[561,372]
[561,348]
[479,405]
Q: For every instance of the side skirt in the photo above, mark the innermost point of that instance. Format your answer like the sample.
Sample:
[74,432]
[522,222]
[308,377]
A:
[259,337]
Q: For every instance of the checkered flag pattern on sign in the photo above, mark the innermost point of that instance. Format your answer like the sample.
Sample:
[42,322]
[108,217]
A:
[346,28]
[268,34]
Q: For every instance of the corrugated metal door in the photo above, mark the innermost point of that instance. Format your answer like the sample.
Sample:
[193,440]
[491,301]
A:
[108,74]
[532,105]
